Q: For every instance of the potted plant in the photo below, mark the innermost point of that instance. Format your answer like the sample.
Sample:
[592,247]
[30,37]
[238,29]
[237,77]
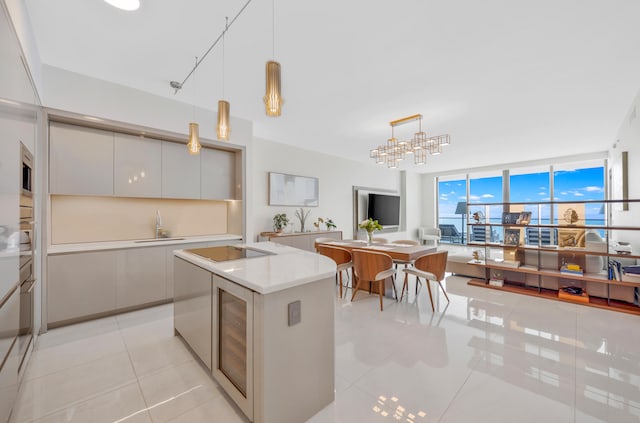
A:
[280,221]
[329,223]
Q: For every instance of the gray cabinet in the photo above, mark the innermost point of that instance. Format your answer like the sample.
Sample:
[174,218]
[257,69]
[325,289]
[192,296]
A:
[137,166]
[140,277]
[81,284]
[80,160]
[180,172]
[192,308]
[218,169]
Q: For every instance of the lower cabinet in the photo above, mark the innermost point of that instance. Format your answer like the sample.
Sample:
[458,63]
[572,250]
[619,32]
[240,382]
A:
[9,382]
[80,284]
[192,308]
[140,276]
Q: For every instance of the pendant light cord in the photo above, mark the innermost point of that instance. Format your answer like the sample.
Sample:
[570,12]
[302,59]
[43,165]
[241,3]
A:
[178,86]
[226,27]
[273,29]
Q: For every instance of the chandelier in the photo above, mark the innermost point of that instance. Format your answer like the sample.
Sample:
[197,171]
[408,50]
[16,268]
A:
[419,145]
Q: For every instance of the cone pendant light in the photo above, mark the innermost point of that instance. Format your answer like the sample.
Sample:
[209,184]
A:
[273,97]
[223,120]
[194,139]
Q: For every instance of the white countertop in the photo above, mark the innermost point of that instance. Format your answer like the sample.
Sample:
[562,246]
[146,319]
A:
[117,245]
[287,268]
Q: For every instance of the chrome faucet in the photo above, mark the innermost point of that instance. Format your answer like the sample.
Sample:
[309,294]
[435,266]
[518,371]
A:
[158,223]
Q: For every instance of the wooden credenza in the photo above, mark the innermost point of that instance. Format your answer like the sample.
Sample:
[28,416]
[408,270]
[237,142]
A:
[302,240]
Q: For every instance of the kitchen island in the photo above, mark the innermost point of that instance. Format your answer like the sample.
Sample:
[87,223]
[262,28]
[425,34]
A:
[260,317]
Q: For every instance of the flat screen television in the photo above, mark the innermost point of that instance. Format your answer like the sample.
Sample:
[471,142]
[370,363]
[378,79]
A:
[385,209]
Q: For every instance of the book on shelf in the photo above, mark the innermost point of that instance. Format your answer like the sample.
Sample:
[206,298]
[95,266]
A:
[571,269]
[511,263]
[496,282]
[615,270]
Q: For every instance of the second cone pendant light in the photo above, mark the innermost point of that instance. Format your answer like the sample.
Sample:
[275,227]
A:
[273,96]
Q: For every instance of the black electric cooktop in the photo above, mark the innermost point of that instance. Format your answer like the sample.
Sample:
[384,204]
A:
[227,252]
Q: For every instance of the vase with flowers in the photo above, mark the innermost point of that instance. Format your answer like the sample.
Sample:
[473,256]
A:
[370,225]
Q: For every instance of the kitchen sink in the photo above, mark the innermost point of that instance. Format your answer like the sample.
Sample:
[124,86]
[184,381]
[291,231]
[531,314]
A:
[158,240]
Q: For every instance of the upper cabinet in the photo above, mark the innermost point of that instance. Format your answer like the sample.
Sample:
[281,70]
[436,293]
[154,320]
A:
[137,166]
[80,160]
[85,161]
[180,172]
[218,170]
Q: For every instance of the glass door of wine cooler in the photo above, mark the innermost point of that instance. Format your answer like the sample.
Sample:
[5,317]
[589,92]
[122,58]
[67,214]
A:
[233,341]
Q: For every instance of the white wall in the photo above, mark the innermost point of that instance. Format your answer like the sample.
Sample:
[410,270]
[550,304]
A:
[628,139]
[337,177]
[20,20]
[78,93]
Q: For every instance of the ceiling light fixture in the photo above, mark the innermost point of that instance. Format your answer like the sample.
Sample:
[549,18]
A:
[128,5]
[223,106]
[419,145]
[273,96]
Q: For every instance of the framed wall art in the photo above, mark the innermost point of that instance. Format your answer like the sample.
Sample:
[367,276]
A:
[293,190]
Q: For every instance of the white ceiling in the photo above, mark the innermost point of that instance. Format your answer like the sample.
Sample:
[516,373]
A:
[509,80]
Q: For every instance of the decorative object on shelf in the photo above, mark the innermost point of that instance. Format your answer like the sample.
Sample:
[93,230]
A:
[510,218]
[419,145]
[302,217]
[524,218]
[512,236]
[326,221]
[273,96]
[478,216]
[370,226]
[280,221]
[571,237]
[571,216]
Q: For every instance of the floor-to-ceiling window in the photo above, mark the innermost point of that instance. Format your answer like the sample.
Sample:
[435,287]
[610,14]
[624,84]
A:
[486,188]
[539,184]
[452,204]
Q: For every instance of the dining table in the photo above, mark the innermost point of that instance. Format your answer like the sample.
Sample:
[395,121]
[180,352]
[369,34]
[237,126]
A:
[400,252]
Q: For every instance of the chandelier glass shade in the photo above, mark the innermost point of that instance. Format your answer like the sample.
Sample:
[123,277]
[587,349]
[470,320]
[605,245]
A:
[418,146]
[194,139]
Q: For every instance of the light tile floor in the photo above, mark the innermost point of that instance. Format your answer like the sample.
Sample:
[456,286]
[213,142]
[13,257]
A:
[488,356]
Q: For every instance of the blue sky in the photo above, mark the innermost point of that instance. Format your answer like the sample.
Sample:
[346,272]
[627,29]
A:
[569,185]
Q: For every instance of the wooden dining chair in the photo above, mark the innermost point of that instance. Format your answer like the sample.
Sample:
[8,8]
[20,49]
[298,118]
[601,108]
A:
[322,239]
[371,266]
[407,242]
[342,257]
[431,267]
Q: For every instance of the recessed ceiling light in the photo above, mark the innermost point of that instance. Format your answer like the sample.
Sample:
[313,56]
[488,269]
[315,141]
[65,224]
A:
[125,4]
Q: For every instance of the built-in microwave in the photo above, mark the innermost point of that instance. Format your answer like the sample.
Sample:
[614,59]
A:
[26,177]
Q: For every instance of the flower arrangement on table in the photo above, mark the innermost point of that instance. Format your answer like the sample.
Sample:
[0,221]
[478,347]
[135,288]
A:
[370,225]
